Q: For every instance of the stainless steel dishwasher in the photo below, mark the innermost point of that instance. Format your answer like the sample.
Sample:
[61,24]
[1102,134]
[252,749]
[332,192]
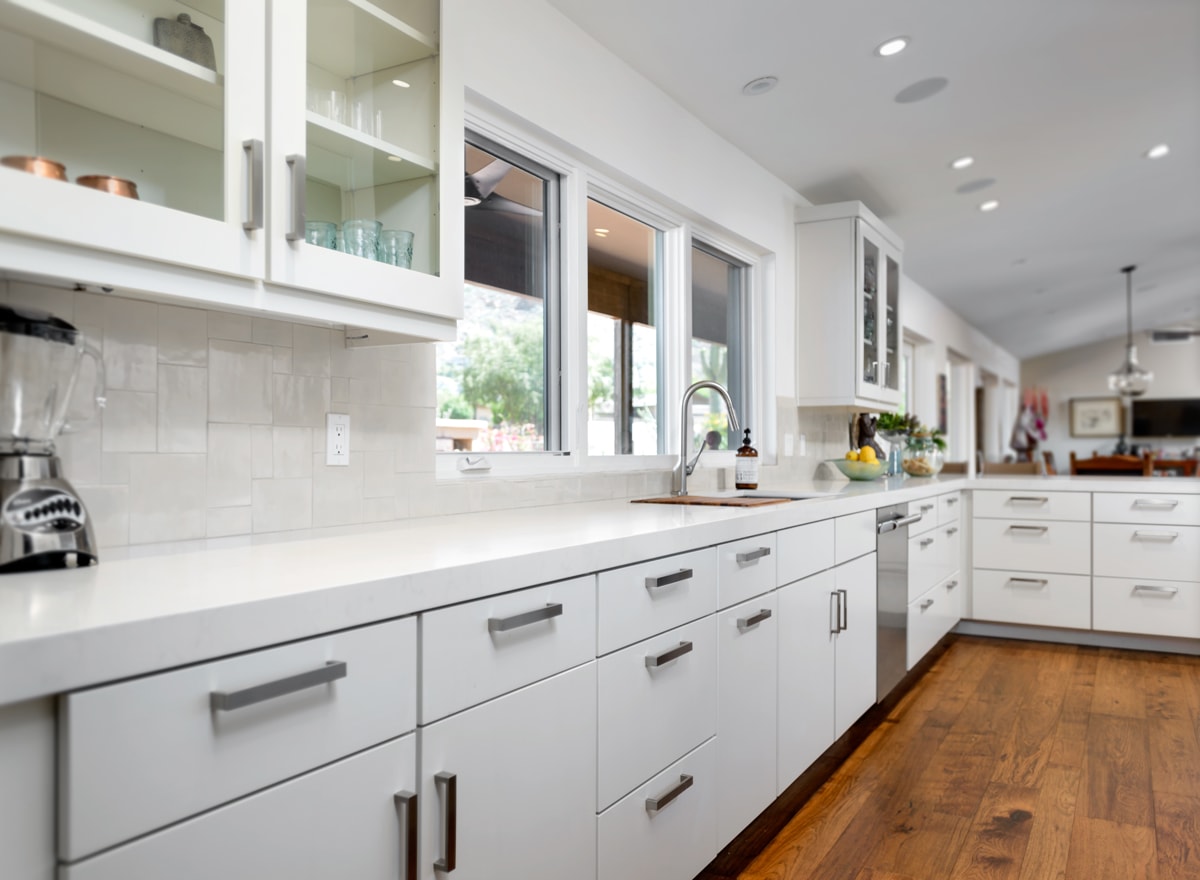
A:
[891,646]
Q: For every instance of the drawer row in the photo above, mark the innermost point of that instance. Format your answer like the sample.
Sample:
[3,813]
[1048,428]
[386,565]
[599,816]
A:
[1142,508]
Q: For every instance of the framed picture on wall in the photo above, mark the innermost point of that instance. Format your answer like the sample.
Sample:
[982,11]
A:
[1097,417]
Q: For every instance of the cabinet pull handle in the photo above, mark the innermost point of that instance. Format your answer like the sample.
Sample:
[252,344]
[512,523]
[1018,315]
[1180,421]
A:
[1139,535]
[925,542]
[952,500]
[253,149]
[654,804]
[890,525]
[753,555]
[835,617]
[1028,499]
[925,508]
[928,603]
[448,782]
[299,194]
[1041,530]
[952,531]
[684,574]
[1156,503]
[844,611]
[1037,582]
[406,805]
[227,701]
[1157,590]
[515,621]
[950,585]
[663,657]
[745,623]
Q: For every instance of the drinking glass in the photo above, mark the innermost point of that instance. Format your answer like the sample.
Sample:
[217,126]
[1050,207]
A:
[361,238]
[321,233]
[396,247]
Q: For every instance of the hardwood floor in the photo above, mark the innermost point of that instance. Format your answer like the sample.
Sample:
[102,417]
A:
[1015,761]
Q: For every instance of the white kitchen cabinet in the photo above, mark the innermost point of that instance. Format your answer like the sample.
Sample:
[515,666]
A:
[745,568]
[508,788]
[353,818]
[1146,606]
[848,308]
[1032,545]
[748,673]
[1146,508]
[930,616]
[855,642]
[1163,552]
[639,600]
[215,154]
[1035,598]
[27,792]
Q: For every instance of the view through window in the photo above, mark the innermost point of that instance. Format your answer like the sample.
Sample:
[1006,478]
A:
[717,353]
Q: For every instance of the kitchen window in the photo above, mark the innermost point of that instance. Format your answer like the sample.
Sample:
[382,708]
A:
[719,316]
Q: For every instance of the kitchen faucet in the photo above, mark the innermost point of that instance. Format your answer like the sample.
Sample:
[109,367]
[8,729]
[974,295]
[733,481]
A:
[685,467]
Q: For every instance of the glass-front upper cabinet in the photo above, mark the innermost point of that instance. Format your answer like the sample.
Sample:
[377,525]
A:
[363,203]
[877,313]
[135,127]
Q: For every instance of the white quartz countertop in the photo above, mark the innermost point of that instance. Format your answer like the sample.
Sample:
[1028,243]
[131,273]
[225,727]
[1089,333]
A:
[155,608]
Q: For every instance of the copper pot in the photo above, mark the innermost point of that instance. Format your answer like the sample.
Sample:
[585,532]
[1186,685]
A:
[115,185]
[38,165]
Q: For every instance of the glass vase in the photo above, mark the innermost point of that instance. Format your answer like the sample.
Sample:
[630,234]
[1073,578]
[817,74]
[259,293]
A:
[922,458]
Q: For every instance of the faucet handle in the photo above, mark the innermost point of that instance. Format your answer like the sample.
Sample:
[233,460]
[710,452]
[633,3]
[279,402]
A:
[691,465]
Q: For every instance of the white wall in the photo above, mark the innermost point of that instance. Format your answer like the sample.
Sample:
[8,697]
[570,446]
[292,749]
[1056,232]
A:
[1083,372]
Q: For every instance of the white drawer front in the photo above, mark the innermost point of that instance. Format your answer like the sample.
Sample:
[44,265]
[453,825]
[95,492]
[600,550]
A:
[932,557]
[1040,599]
[804,550]
[637,601]
[1146,507]
[1030,545]
[339,821]
[151,751]
[745,568]
[930,617]
[479,650]
[949,508]
[674,842]
[1154,608]
[928,508]
[1170,553]
[853,536]
[651,714]
[1025,504]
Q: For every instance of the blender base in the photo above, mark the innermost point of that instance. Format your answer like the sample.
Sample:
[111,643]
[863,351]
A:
[43,523]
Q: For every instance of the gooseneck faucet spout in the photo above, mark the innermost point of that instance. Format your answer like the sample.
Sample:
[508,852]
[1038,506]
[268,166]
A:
[683,466]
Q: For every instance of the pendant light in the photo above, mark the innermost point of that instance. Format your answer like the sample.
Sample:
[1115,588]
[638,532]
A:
[1130,379]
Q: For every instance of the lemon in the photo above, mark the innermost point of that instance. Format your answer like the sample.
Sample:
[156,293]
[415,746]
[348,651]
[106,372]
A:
[867,453]
[851,455]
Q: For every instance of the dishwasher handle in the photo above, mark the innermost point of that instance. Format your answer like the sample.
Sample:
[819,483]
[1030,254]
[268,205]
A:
[899,522]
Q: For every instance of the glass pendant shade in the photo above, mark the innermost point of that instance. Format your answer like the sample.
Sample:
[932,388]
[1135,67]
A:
[1130,379]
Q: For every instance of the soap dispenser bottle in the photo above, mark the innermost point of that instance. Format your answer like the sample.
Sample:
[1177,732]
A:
[745,469]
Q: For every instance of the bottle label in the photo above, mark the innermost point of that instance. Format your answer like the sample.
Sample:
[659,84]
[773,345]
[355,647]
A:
[745,470]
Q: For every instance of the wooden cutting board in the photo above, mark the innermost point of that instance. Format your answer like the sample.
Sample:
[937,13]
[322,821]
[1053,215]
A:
[711,501]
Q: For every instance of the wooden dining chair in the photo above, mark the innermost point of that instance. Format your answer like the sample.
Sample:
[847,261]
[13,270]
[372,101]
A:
[1048,461]
[954,467]
[1112,466]
[1028,468]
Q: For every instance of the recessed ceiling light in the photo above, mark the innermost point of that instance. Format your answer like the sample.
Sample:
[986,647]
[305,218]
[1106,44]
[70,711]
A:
[760,86]
[990,205]
[395,159]
[962,162]
[892,47]
[600,232]
[401,83]
[1157,152]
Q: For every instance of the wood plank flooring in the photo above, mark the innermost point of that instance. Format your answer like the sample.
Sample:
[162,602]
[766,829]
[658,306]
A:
[1015,761]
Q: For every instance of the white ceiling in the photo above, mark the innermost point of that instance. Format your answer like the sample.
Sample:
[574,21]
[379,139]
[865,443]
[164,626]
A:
[1057,101]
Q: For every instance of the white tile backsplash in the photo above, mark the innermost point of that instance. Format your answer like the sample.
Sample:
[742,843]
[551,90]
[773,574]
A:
[292,454]
[167,498]
[182,408]
[239,382]
[279,505]
[300,400]
[230,453]
[130,422]
[182,336]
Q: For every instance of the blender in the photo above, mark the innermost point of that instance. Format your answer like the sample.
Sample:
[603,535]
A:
[43,523]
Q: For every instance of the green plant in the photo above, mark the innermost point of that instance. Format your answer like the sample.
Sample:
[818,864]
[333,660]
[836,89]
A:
[897,422]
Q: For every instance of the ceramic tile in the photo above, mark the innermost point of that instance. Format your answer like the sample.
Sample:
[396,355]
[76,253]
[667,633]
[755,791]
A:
[130,422]
[414,441]
[263,446]
[310,348]
[282,360]
[89,309]
[229,465]
[55,300]
[226,521]
[413,381]
[365,391]
[114,468]
[292,452]
[374,428]
[338,492]
[382,509]
[379,474]
[130,344]
[108,509]
[302,400]
[80,453]
[353,363]
[239,382]
[270,332]
[182,408]
[182,336]
[339,389]
[280,505]
[166,498]
[224,325]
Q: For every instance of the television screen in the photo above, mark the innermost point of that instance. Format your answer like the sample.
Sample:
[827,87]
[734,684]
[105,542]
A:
[1179,417]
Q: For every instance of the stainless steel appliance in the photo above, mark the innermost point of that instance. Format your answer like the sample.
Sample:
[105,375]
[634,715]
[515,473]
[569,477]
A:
[43,523]
[891,525]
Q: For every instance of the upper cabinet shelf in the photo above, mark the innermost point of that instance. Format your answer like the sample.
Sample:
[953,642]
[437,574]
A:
[351,159]
[350,38]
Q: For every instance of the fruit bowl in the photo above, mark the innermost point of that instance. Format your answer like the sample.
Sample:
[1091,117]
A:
[859,470]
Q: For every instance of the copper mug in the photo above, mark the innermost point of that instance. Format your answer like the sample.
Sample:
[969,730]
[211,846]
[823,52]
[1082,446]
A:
[38,165]
[115,185]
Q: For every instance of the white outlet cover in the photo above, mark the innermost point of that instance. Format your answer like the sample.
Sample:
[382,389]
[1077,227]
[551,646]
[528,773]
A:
[337,439]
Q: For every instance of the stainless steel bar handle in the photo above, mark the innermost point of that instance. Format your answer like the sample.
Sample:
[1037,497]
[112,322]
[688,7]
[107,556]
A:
[1038,582]
[899,522]
[654,804]
[1139,535]
[952,500]
[447,784]
[1153,588]
[1029,499]
[515,621]
[753,555]
[953,530]
[1038,529]
[255,185]
[228,701]
[299,195]
[835,615]
[663,657]
[925,508]
[925,542]
[754,619]
[928,603]
[950,585]
[684,574]
[844,611]
[1156,503]
[406,805]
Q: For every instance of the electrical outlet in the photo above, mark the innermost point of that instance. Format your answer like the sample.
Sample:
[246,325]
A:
[789,445]
[337,439]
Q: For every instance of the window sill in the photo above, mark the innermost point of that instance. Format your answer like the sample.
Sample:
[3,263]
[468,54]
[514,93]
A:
[555,465]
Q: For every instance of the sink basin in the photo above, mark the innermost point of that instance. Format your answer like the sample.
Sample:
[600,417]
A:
[746,498]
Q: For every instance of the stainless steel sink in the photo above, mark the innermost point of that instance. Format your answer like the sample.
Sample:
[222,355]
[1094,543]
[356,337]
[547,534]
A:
[743,498]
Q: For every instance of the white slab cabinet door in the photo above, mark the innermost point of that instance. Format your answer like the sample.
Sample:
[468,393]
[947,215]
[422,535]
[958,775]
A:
[855,643]
[508,788]
[807,624]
